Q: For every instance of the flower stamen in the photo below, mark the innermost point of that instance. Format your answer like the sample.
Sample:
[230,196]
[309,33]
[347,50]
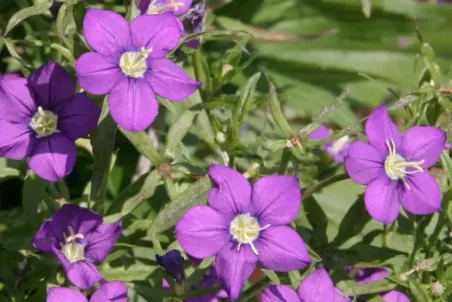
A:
[44,123]
[154,9]
[245,229]
[133,63]
[73,251]
[396,166]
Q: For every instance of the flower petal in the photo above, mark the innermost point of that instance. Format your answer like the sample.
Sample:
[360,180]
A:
[231,194]
[45,239]
[160,32]
[382,200]
[281,293]
[339,296]
[17,141]
[53,158]
[78,117]
[202,232]
[395,296]
[82,274]
[281,249]
[16,100]
[100,243]
[423,143]
[133,105]
[320,133]
[276,199]
[371,274]
[317,287]
[52,85]
[64,294]
[380,128]
[170,81]
[234,268]
[97,75]
[364,163]
[112,291]
[107,32]
[424,195]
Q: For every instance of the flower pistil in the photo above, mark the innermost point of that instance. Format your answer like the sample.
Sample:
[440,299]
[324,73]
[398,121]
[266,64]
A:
[44,122]
[73,250]
[245,229]
[133,63]
[396,166]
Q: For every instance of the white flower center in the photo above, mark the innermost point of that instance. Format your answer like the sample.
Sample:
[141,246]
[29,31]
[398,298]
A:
[339,144]
[396,166]
[245,229]
[158,9]
[44,123]
[133,63]
[73,250]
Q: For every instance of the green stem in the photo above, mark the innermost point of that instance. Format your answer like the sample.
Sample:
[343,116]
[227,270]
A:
[285,159]
[254,289]
[144,145]
[324,184]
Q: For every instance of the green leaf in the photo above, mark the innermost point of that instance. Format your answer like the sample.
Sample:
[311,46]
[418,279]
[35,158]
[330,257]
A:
[33,192]
[6,173]
[351,288]
[134,195]
[367,7]
[40,7]
[317,218]
[12,51]
[196,194]
[275,107]
[419,291]
[64,52]
[143,144]
[103,142]
[272,276]
[202,74]
[134,272]
[178,131]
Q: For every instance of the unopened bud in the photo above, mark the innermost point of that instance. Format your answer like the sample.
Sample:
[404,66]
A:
[437,289]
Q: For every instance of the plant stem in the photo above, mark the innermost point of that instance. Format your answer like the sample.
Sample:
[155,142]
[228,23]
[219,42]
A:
[324,183]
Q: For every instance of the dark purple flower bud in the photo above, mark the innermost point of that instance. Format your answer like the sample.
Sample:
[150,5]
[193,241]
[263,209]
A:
[174,264]
[194,22]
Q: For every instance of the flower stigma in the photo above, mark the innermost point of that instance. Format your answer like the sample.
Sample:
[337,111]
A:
[133,63]
[73,250]
[245,229]
[44,123]
[154,7]
[396,166]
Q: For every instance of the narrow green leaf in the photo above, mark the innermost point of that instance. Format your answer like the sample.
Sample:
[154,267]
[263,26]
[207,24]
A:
[275,107]
[32,193]
[103,142]
[317,218]
[12,51]
[419,292]
[64,13]
[64,52]
[351,288]
[40,7]
[196,194]
[134,195]
[243,105]
[202,74]
[7,172]
[178,131]
[272,276]
[134,272]
[144,145]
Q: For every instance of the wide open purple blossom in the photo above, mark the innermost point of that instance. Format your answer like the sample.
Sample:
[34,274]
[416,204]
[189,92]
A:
[114,291]
[394,167]
[41,117]
[337,149]
[152,7]
[129,64]
[243,225]
[79,239]
[317,287]
[372,274]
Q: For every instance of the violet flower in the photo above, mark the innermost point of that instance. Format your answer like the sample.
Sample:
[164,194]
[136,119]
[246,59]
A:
[174,264]
[114,291]
[194,20]
[78,238]
[152,7]
[394,167]
[41,117]
[317,287]
[129,64]
[372,274]
[243,225]
[336,149]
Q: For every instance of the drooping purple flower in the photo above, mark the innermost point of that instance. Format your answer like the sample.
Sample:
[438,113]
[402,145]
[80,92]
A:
[194,21]
[41,117]
[243,225]
[79,239]
[152,7]
[114,291]
[372,274]
[317,287]
[336,149]
[129,64]
[394,167]
[174,264]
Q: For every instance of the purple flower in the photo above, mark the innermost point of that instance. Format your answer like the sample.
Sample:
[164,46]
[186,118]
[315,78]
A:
[152,7]
[336,149]
[129,64]
[112,291]
[78,238]
[41,117]
[372,274]
[174,264]
[243,225]
[317,287]
[394,167]
[194,20]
